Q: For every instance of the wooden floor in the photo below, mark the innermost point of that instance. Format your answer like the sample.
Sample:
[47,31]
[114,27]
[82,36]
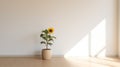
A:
[59,62]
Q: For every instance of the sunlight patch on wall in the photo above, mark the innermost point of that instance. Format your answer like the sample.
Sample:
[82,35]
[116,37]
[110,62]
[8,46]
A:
[93,44]
[98,39]
[80,49]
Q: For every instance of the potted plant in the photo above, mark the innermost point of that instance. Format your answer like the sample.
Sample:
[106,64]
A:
[48,40]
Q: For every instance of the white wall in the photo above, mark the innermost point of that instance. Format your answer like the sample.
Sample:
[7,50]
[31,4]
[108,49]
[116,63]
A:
[21,22]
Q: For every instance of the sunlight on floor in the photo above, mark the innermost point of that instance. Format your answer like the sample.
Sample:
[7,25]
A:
[93,44]
[93,62]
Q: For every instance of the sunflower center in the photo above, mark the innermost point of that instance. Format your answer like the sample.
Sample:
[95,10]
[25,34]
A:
[50,30]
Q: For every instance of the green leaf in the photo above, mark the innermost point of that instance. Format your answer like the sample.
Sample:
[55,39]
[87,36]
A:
[44,38]
[50,44]
[41,35]
[45,31]
[54,37]
[43,42]
[51,39]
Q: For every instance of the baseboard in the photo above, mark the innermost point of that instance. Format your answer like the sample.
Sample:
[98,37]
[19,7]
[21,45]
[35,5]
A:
[28,56]
[112,56]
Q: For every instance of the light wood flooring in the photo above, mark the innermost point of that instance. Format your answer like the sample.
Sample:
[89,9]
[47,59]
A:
[58,62]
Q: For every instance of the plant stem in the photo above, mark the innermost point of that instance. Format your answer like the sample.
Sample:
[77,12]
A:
[47,46]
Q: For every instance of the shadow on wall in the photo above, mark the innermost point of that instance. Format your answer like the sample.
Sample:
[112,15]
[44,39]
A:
[93,44]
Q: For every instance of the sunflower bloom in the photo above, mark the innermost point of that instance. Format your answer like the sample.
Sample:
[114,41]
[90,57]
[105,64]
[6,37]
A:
[50,30]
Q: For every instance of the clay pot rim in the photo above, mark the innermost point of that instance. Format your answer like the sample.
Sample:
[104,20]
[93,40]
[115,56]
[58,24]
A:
[46,49]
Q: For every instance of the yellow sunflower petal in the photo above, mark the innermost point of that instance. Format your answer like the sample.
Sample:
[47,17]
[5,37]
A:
[50,30]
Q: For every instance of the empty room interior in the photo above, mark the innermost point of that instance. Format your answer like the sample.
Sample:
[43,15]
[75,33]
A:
[59,33]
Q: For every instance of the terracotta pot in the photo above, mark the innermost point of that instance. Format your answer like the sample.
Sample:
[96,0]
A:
[46,54]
